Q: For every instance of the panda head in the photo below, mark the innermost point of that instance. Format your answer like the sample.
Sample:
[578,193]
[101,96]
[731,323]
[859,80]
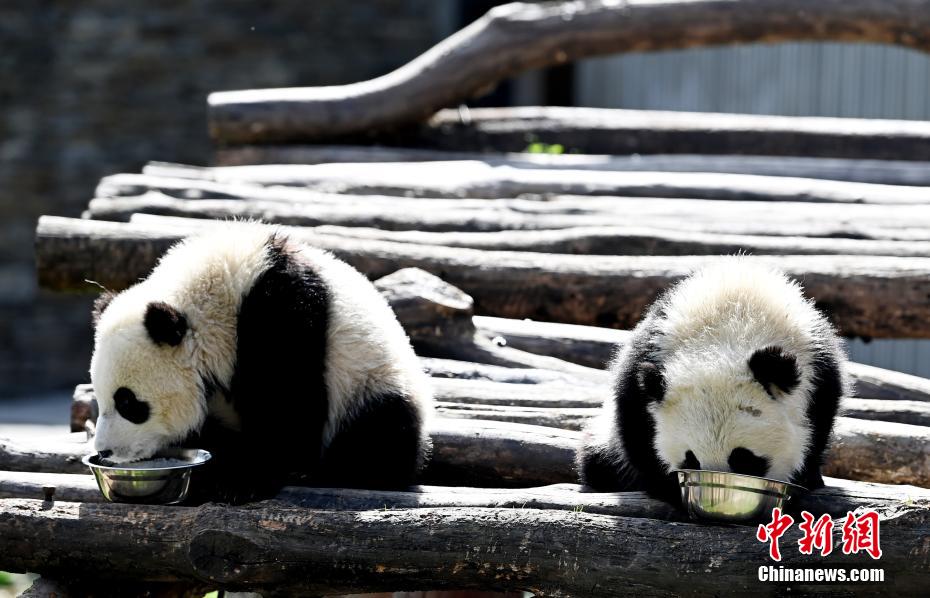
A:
[149,393]
[730,370]
[716,412]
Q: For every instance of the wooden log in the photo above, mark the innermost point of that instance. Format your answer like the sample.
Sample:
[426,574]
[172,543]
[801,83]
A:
[836,498]
[69,487]
[45,455]
[566,418]
[482,180]
[566,497]
[588,345]
[880,297]
[907,223]
[438,318]
[514,38]
[594,347]
[904,456]
[878,383]
[559,415]
[475,215]
[880,451]
[465,452]
[625,240]
[291,549]
[483,393]
[888,172]
[468,370]
[75,584]
[612,131]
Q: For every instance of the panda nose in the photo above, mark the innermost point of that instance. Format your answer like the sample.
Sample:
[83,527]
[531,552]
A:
[104,453]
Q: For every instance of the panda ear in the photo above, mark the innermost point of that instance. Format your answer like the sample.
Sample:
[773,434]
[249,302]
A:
[165,324]
[100,304]
[774,368]
[650,380]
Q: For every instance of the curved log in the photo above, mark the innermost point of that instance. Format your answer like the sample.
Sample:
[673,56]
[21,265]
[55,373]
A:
[514,38]
[881,297]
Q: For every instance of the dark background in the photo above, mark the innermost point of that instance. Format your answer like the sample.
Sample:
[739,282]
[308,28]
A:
[101,86]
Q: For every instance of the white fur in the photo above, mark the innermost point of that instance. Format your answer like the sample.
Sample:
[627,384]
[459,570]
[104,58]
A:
[715,320]
[206,278]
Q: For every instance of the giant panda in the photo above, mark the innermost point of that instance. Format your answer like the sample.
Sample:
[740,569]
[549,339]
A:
[275,356]
[732,369]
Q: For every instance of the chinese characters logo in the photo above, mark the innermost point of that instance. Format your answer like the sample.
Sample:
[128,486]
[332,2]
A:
[860,533]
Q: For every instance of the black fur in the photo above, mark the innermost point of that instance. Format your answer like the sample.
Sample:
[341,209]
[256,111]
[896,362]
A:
[131,408]
[379,447]
[773,367]
[165,324]
[690,462]
[278,387]
[641,468]
[650,380]
[742,460]
[821,413]
[279,391]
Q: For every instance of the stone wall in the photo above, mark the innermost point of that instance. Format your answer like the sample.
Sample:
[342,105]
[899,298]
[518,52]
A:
[102,86]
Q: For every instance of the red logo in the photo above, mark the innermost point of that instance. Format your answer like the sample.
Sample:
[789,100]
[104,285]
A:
[773,531]
[816,535]
[860,533]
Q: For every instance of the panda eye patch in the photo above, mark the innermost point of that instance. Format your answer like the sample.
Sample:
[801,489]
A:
[128,406]
[743,460]
[690,462]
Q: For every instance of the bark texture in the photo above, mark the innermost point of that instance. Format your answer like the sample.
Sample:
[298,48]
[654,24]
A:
[517,37]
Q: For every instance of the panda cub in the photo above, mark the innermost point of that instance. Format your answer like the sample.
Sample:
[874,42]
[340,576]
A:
[275,356]
[731,370]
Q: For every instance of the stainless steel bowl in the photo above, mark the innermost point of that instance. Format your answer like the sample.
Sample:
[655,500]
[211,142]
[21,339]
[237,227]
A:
[732,497]
[157,486]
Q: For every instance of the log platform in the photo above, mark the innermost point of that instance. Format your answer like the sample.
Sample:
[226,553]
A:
[517,276]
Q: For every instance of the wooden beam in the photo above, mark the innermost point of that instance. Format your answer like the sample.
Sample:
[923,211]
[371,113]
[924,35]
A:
[438,319]
[594,347]
[565,497]
[517,37]
[486,181]
[627,240]
[473,452]
[888,172]
[836,498]
[865,221]
[290,549]
[643,132]
[878,297]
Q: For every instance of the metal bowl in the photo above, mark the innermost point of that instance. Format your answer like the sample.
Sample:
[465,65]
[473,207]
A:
[732,497]
[135,483]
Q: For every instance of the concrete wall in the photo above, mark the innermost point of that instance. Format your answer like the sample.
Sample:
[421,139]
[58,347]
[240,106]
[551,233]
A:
[102,86]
